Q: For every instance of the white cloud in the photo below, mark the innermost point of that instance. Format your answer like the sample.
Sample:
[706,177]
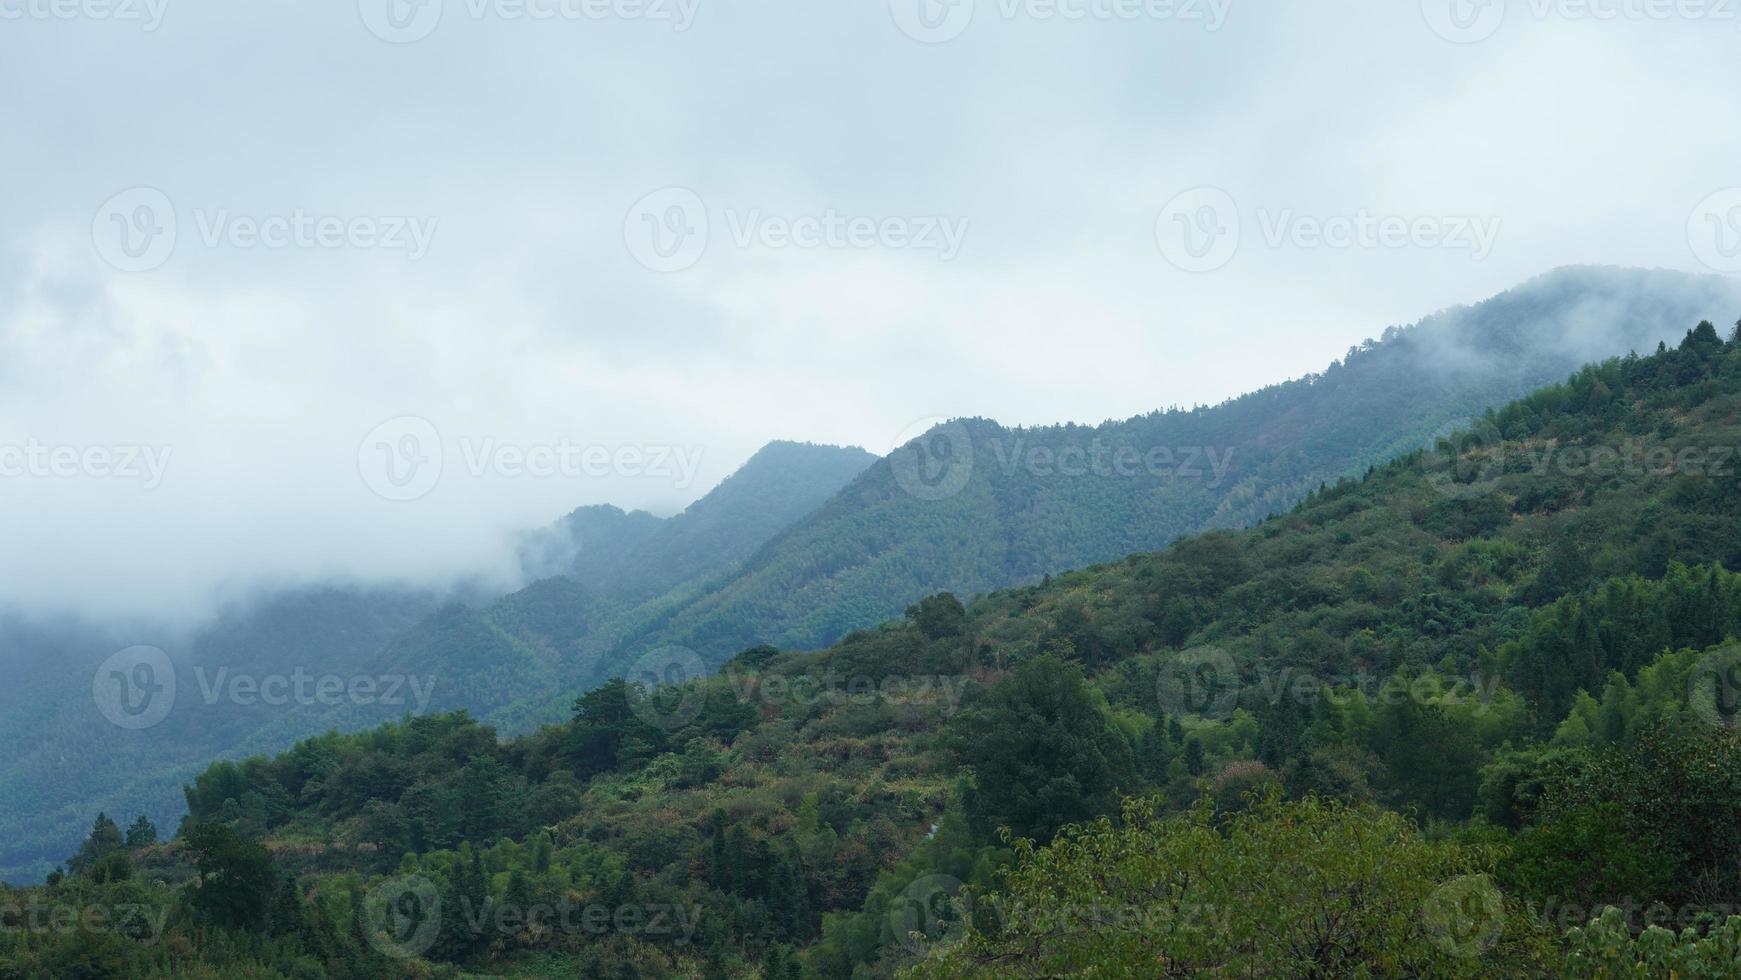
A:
[530,322]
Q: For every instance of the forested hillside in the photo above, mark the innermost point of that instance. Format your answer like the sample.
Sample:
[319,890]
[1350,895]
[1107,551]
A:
[634,557]
[49,718]
[444,649]
[615,572]
[974,506]
[805,543]
[1471,713]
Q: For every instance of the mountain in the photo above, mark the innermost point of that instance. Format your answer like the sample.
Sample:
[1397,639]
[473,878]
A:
[635,557]
[806,544]
[615,571]
[64,755]
[437,650]
[974,506]
[1468,714]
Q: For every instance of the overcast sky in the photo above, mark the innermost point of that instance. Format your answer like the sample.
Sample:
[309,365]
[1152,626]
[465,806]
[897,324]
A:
[691,227]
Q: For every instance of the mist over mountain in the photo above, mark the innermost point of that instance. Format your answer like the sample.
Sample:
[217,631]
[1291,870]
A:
[897,490]
[973,506]
[798,548]
[634,556]
[1494,669]
[65,751]
[467,645]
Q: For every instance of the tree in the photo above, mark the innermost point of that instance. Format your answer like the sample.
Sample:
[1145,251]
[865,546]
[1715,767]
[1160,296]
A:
[1043,752]
[1653,820]
[1430,758]
[287,916]
[105,839]
[606,729]
[939,616]
[143,833]
[1239,782]
[780,964]
[236,876]
[1608,947]
[1587,857]
[465,901]
[1306,889]
[1194,755]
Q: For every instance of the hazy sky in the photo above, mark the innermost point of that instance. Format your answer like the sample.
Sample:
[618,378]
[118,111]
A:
[485,224]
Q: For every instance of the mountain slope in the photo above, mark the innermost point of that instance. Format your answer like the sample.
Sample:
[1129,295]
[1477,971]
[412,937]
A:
[496,660]
[64,757]
[973,506]
[635,557]
[1415,639]
[437,651]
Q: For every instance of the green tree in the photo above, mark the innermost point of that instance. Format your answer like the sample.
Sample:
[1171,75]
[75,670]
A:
[1306,889]
[1043,752]
[236,878]
[143,833]
[105,839]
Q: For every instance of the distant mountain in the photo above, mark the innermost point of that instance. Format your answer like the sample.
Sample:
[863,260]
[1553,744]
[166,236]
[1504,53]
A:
[636,556]
[617,571]
[448,649]
[973,506]
[64,756]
